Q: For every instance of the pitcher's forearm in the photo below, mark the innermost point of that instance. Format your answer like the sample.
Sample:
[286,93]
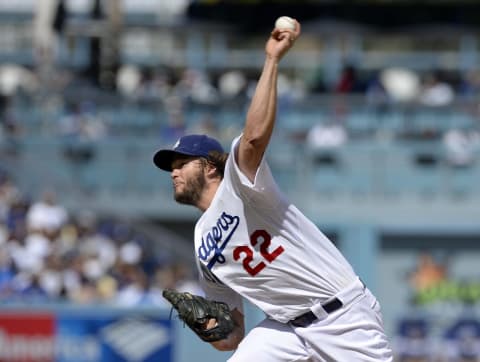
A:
[235,337]
[260,120]
[231,342]
[262,111]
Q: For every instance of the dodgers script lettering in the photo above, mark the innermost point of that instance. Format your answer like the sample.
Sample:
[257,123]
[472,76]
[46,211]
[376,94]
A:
[217,238]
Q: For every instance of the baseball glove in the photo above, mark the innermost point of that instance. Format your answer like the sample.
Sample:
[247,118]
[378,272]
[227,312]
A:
[196,311]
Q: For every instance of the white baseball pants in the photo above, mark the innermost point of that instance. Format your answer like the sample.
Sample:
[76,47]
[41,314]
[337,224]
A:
[353,333]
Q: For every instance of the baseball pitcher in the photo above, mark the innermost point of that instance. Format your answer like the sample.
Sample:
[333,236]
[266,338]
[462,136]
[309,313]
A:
[251,242]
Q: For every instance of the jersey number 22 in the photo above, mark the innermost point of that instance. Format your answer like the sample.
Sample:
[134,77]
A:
[264,238]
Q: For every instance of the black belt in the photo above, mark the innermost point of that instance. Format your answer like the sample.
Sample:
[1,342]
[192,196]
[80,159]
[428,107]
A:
[308,318]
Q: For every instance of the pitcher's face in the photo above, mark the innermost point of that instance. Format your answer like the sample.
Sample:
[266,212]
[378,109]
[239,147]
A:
[188,176]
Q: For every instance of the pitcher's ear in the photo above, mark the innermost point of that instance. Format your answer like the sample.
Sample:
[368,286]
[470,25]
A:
[210,169]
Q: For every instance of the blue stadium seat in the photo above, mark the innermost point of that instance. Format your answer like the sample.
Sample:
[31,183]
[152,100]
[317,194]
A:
[411,170]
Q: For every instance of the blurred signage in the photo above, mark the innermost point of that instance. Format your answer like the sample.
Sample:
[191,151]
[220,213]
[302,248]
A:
[84,337]
[108,339]
[432,295]
[27,337]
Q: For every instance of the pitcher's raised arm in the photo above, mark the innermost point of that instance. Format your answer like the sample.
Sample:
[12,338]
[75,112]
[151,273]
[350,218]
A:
[261,114]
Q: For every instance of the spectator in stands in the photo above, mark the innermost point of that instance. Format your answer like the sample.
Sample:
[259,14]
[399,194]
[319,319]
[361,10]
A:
[184,279]
[46,215]
[327,135]
[195,86]
[377,96]
[8,194]
[107,289]
[428,272]
[7,272]
[435,91]
[152,87]
[470,84]
[163,278]
[349,81]
[401,84]
[35,249]
[50,278]
[232,84]
[206,124]
[134,288]
[10,127]
[80,128]
[27,289]
[460,147]
[172,276]
[175,127]
[48,256]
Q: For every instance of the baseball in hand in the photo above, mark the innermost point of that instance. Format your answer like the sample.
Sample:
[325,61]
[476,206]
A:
[285,22]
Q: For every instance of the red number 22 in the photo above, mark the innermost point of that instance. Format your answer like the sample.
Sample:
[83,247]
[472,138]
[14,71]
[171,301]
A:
[256,237]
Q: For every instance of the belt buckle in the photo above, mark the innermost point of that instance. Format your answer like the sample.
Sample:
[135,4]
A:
[304,320]
[333,305]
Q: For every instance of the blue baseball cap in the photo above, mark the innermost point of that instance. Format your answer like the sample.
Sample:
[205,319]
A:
[191,145]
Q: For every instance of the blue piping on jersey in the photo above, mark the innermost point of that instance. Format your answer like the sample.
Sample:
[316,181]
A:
[225,223]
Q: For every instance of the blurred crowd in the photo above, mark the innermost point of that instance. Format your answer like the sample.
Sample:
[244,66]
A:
[70,103]
[48,255]
[174,101]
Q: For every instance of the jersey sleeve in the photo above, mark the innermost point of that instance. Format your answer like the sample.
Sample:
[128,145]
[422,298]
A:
[221,293]
[263,190]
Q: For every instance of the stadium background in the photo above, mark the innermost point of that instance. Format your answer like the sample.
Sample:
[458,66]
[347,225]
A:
[377,140]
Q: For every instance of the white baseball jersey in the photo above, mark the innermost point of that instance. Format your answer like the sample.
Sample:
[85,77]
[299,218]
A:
[252,242]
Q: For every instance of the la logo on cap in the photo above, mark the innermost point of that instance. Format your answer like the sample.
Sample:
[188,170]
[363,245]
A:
[176,144]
